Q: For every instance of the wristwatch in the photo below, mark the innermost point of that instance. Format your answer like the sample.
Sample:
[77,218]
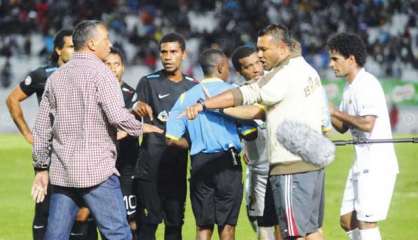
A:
[204,108]
[202,102]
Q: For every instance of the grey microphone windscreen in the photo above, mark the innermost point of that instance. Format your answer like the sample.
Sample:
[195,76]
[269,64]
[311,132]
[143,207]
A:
[300,139]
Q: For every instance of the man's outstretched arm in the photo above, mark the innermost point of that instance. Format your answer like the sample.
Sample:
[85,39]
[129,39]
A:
[229,98]
[220,101]
[245,95]
[246,112]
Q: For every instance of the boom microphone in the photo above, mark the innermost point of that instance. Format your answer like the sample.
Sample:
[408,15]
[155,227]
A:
[368,141]
[299,139]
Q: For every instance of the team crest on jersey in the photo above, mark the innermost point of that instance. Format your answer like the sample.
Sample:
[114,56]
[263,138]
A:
[28,80]
[163,116]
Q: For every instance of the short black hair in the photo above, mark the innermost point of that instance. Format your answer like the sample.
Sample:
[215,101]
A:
[84,31]
[348,44]
[59,43]
[118,51]
[279,32]
[174,37]
[239,53]
[209,59]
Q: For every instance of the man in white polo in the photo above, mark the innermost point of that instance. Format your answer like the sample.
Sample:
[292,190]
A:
[363,111]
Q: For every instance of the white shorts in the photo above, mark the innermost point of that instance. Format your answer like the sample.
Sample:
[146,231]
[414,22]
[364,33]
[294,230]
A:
[255,193]
[369,195]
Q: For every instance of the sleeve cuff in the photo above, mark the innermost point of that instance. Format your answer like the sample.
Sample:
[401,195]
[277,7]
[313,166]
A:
[40,167]
[368,113]
[172,137]
[249,131]
[261,106]
[250,94]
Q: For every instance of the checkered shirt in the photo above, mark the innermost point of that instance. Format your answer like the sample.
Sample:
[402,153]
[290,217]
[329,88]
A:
[75,130]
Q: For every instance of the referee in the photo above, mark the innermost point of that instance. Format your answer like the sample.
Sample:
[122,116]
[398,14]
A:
[216,176]
[161,168]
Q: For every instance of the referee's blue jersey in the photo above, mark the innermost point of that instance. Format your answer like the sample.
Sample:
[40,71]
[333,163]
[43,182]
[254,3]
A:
[210,132]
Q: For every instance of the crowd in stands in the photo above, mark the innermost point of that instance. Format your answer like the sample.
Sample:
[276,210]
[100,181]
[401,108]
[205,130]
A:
[388,26]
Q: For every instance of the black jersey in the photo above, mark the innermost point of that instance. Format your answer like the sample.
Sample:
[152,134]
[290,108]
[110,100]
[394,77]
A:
[160,93]
[128,147]
[35,81]
[129,95]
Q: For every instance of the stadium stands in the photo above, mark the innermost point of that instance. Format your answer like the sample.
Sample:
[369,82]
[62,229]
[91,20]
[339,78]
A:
[389,27]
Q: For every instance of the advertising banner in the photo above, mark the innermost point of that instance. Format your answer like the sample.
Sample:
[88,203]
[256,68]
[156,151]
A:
[396,91]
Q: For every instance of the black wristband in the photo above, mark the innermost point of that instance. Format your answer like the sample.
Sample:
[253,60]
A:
[38,169]
[40,166]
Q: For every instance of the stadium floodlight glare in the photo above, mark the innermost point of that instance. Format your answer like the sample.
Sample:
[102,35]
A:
[373,141]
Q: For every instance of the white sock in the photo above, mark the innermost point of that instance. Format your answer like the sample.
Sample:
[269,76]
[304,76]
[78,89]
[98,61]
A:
[354,234]
[266,233]
[370,234]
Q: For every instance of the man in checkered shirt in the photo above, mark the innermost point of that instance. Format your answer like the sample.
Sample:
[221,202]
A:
[74,138]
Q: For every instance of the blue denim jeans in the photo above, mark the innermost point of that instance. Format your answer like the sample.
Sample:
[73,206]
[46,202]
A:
[105,202]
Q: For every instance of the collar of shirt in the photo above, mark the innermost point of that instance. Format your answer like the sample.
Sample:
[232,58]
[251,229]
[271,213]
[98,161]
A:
[284,62]
[52,65]
[85,55]
[212,79]
[358,76]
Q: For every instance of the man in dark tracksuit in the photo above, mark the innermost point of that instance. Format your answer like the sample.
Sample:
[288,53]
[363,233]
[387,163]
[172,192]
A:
[162,168]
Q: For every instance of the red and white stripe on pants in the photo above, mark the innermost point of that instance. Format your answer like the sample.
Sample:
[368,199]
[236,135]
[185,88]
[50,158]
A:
[290,217]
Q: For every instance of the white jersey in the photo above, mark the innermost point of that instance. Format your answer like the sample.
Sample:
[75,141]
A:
[256,151]
[257,171]
[364,96]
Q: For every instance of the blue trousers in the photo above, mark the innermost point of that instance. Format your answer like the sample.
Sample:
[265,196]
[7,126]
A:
[105,202]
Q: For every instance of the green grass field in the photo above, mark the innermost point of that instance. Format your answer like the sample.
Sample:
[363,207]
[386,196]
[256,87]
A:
[16,206]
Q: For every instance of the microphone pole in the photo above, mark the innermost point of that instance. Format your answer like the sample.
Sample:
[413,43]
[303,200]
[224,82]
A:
[373,141]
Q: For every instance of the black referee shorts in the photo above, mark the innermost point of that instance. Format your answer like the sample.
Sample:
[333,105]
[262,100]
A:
[216,189]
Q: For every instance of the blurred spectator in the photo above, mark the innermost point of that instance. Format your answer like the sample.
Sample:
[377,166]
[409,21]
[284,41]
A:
[27,46]
[6,74]
[389,27]
[394,116]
